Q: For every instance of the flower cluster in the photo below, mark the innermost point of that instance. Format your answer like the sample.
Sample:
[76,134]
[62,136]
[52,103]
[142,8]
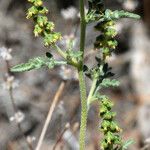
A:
[101,74]
[109,127]
[42,27]
[106,40]
[106,19]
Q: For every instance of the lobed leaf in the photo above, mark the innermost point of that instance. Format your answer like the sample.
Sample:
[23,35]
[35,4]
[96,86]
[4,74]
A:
[37,63]
[114,15]
[34,63]
[110,83]
[127,144]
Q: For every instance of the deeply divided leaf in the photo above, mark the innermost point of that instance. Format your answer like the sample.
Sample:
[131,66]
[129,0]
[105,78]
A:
[127,144]
[36,63]
[110,83]
[114,15]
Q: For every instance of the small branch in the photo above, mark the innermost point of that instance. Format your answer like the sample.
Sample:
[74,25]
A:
[49,116]
[62,53]
[91,93]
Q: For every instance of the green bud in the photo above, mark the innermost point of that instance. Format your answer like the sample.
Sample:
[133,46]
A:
[109,115]
[109,23]
[51,38]
[103,110]
[42,20]
[104,145]
[106,51]
[105,125]
[31,1]
[112,44]
[109,137]
[110,32]
[31,12]
[37,30]
[106,102]
[43,10]
[38,3]
[114,127]
[50,26]
[117,140]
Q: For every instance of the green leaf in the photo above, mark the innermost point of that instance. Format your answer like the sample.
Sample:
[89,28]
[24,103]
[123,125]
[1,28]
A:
[127,144]
[37,63]
[91,17]
[96,8]
[34,63]
[74,55]
[110,83]
[114,15]
[96,5]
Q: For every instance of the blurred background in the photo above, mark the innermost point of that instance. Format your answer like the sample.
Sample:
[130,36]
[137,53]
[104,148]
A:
[33,91]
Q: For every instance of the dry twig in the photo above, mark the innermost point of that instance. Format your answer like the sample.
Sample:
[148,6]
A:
[49,116]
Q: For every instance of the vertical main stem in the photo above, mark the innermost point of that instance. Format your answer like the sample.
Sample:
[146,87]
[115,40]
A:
[82,26]
[84,112]
[82,79]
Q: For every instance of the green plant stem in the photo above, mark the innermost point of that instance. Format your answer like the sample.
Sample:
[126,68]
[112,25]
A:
[91,93]
[63,54]
[82,26]
[84,111]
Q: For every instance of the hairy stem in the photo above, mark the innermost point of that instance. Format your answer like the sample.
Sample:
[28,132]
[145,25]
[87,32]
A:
[82,26]
[84,111]
[62,53]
